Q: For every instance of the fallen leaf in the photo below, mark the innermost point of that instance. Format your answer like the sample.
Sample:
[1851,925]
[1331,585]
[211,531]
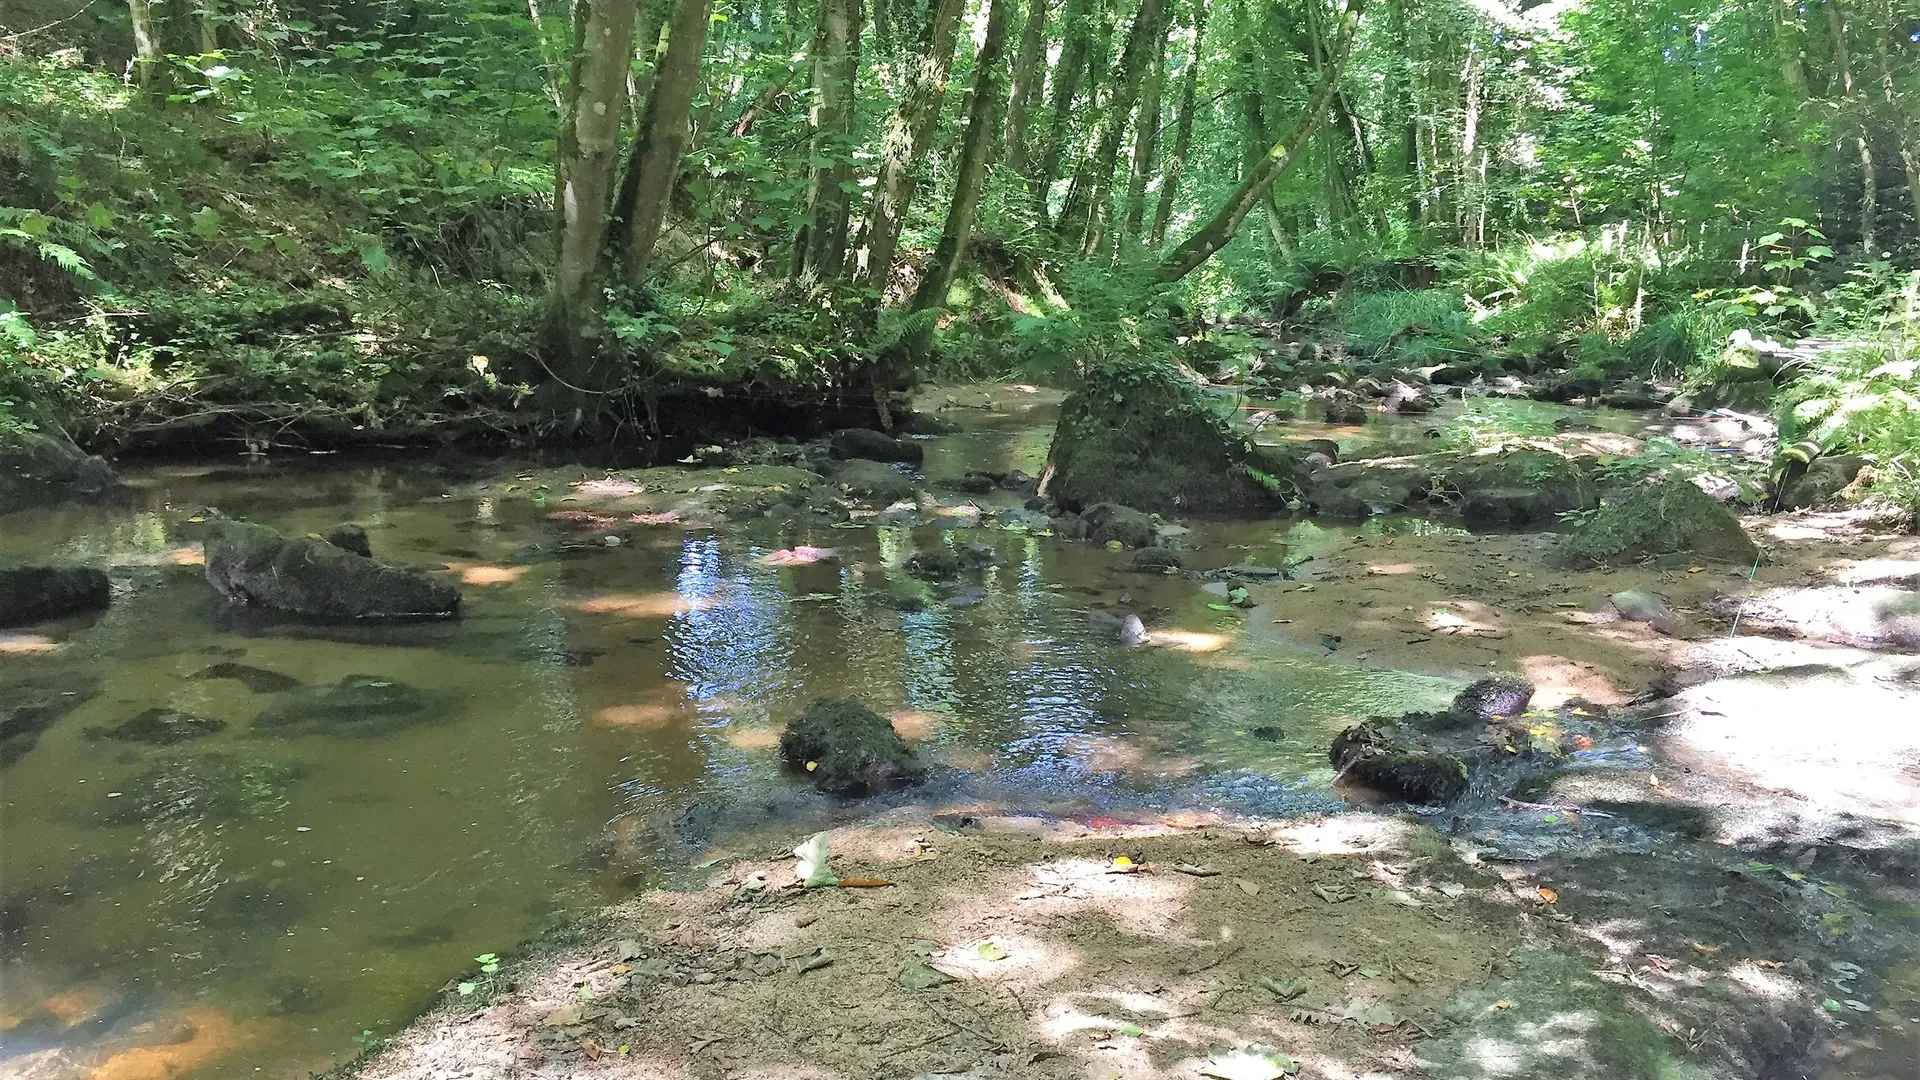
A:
[1247,1063]
[1704,949]
[621,969]
[565,1016]
[1251,888]
[1503,1003]
[1195,871]
[1367,1012]
[862,882]
[1132,1031]
[1122,862]
[923,976]
[1548,896]
[811,865]
[987,950]
[1285,991]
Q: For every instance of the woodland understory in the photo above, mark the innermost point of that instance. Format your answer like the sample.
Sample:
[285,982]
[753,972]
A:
[245,224]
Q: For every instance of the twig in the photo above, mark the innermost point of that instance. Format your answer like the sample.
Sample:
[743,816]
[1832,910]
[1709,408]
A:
[48,26]
[1558,808]
[1225,955]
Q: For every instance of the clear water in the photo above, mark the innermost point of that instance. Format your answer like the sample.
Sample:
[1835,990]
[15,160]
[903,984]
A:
[252,903]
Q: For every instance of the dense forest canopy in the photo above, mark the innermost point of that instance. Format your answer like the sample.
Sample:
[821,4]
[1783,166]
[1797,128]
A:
[401,212]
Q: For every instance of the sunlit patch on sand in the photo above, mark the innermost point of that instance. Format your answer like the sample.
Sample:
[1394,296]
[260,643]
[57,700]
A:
[187,556]
[1557,679]
[1196,641]
[213,1034]
[492,575]
[658,707]
[28,645]
[657,605]
[917,723]
[751,738]
[609,487]
[969,760]
[1393,569]
[664,517]
[1462,619]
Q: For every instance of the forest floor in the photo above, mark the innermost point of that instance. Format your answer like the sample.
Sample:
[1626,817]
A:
[1724,882]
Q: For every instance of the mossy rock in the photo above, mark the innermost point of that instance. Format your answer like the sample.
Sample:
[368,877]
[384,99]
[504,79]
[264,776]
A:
[32,593]
[203,787]
[1520,487]
[848,749]
[252,564]
[1673,517]
[1399,763]
[873,482]
[1146,434]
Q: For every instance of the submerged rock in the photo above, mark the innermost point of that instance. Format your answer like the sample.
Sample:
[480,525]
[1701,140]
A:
[1156,560]
[1147,434]
[252,564]
[160,727]
[874,446]
[208,787]
[849,749]
[31,594]
[1673,517]
[357,705]
[1128,628]
[1359,489]
[37,469]
[349,537]
[258,680]
[31,706]
[942,565]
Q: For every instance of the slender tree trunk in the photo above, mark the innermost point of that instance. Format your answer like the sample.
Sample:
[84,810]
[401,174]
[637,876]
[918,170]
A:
[765,101]
[1896,116]
[588,148]
[550,68]
[821,252]
[976,153]
[1182,131]
[1145,39]
[1226,221]
[1027,71]
[1786,41]
[1869,178]
[149,59]
[649,44]
[654,164]
[908,137]
[1076,38]
[1146,137]
[1400,97]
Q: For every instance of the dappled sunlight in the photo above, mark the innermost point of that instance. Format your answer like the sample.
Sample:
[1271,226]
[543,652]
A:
[491,575]
[1393,569]
[211,1035]
[742,737]
[187,556]
[15,643]
[918,724]
[1558,680]
[658,605]
[1348,834]
[1194,641]
[1466,618]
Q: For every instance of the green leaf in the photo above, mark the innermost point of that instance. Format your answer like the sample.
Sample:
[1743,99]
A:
[99,216]
[206,222]
[467,988]
[374,258]
[1247,1063]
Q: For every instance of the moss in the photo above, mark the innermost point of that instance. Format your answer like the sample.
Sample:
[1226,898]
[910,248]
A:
[849,749]
[1668,518]
[1145,434]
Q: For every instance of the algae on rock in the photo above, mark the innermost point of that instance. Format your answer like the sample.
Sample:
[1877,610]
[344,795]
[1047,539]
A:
[1145,434]
[1672,517]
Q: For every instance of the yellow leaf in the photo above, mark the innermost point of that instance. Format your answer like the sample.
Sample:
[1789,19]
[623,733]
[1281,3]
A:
[1249,887]
[621,969]
[1548,895]
[1704,949]
[1503,1003]
[812,765]
[1695,569]
[1122,861]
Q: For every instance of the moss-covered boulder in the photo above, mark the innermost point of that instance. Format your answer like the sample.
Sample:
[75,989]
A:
[1110,523]
[356,706]
[1672,517]
[203,787]
[1819,482]
[1519,487]
[848,749]
[1146,434]
[32,593]
[1399,762]
[37,469]
[1355,490]
[873,482]
[160,727]
[252,564]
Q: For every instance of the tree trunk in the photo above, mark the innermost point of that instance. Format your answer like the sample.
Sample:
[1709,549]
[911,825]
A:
[1896,116]
[1226,221]
[1399,97]
[821,250]
[654,164]
[1869,178]
[1146,138]
[1182,131]
[1026,81]
[1076,36]
[908,136]
[976,153]
[588,145]
[1786,41]
[1145,39]
[149,59]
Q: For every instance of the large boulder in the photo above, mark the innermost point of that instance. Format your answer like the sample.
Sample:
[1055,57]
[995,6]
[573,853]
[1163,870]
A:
[1110,523]
[252,564]
[1360,489]
[33,593]
[1146,434]
[38,469]
[1672,517]
[848,749]
[1820,481]
[1519,487]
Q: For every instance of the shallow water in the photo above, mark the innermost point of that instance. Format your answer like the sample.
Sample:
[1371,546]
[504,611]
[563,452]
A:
[259,898]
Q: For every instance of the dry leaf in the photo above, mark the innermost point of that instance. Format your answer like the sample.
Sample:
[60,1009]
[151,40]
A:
[1548,896]
[863,882]
[1503,1003]
[1704,949]
[1249,887]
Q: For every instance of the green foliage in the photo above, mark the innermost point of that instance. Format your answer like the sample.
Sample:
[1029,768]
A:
[1864,399]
